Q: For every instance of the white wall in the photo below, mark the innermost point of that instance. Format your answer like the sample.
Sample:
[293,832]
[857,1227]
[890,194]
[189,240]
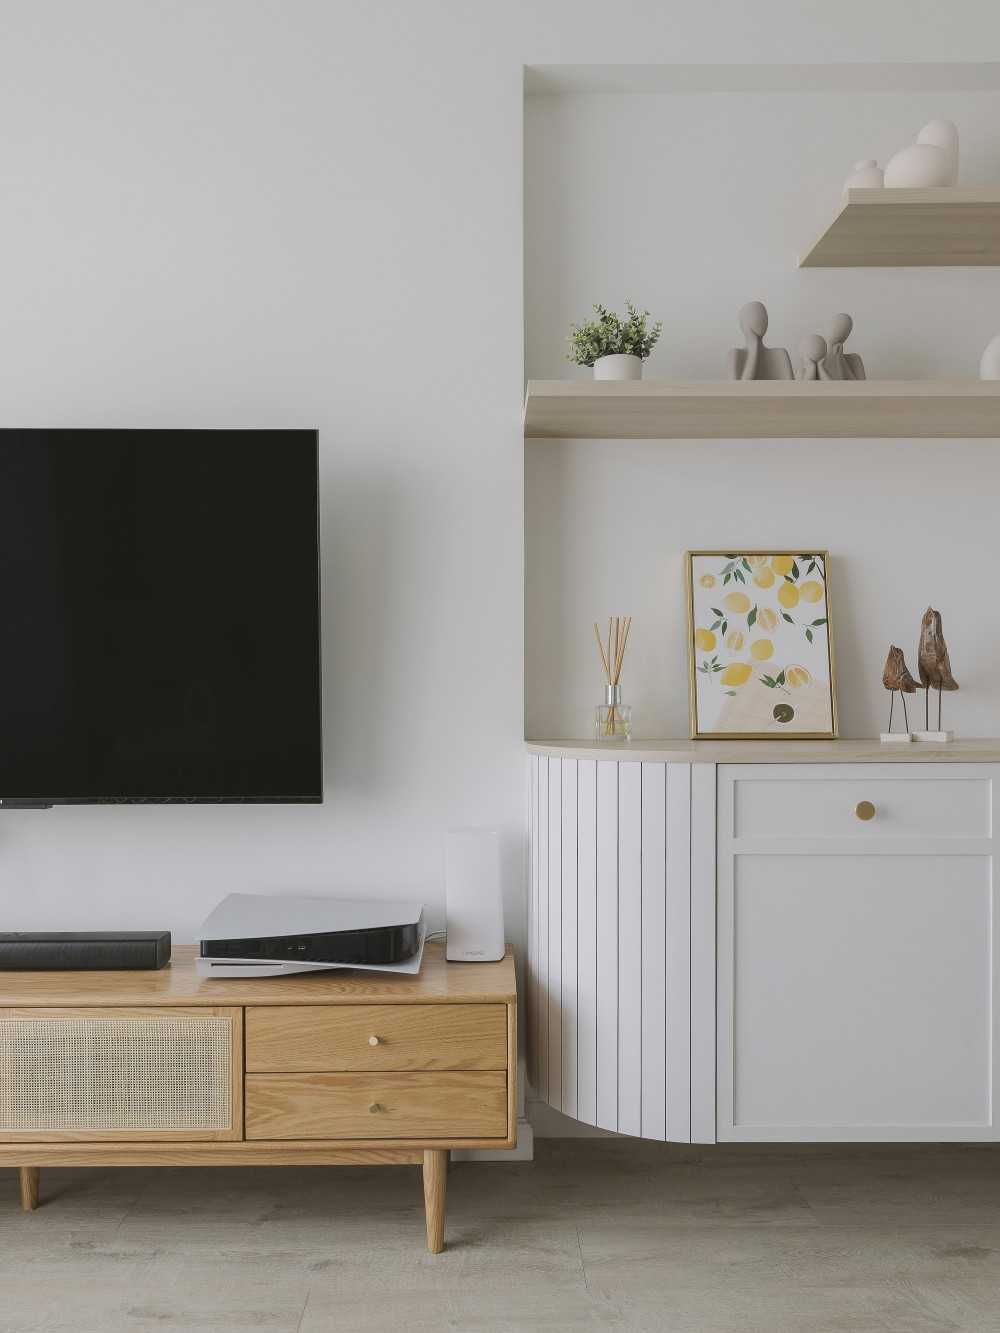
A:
[245,212]
[692,205]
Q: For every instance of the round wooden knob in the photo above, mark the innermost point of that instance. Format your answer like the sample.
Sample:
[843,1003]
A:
[374,1041]
[375,1106]
[865,810]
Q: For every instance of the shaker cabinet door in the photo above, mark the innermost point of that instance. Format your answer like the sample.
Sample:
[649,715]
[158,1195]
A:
[856,979]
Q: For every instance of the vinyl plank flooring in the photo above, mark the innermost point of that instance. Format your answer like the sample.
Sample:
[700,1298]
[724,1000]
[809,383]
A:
[611,1234]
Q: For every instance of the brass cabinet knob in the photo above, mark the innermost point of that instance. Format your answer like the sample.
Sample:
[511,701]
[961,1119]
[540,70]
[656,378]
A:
[375,1107]
[865,810]
[374,1041]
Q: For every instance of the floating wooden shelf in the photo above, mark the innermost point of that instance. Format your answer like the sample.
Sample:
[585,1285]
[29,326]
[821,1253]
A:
[724,409]
[910,229]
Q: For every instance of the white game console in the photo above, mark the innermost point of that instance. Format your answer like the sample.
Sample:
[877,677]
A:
[260,935]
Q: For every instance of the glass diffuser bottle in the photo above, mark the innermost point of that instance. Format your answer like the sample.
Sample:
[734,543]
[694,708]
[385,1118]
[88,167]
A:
[613,719]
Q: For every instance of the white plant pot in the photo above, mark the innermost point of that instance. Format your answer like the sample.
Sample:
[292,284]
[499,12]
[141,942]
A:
[989,367]
[618,368]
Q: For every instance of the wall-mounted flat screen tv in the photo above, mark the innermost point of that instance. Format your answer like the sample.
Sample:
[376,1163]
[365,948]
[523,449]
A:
[159,616]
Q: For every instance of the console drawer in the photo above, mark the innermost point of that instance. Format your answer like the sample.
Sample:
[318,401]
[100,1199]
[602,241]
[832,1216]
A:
[829,802]
[375,1037]
[467,1104]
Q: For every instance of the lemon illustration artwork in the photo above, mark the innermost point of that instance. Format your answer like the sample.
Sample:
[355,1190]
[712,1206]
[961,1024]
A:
[788,595]
[782,564]
[766,618]
[756,561]
[764,578]
[811,591]
[704,640]
[735,640]
[761,650]
[737,673]
[707,580]
[796,676]
[783,712]
[737,601]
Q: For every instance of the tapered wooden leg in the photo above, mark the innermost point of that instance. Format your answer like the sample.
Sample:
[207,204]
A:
[435,1188]
[29,1187]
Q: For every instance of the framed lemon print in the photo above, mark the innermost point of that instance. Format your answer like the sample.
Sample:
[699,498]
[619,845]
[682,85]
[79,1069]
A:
[759,645]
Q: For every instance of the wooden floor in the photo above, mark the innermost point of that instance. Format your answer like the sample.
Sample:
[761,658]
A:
[607,1234]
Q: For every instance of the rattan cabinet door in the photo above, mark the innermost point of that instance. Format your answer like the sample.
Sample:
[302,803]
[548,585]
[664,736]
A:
[120,1074]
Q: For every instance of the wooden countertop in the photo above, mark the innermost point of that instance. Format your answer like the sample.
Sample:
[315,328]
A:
[438,982]
[776,752]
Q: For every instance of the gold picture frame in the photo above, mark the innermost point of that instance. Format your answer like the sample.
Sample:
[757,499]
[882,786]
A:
[750,637]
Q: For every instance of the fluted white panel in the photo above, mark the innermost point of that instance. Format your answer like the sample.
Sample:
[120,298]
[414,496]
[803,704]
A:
[654,982]
[586,956]
[703,945]
[607,945]
[533,970]
[570,935]
[678,952]
[543,925]
[630,931]
[610,942]
[555,933]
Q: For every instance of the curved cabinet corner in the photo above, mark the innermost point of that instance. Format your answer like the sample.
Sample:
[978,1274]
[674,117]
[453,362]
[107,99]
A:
[610,1004]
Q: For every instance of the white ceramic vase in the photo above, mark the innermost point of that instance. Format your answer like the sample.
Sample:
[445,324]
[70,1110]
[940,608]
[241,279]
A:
[989,366]
[618,367]
[931,161]
[865,175]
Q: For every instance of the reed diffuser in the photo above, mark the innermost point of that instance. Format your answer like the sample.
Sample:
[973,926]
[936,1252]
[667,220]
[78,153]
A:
[613,718]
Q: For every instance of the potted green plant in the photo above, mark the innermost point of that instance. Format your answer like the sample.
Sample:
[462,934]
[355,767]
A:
[615,347]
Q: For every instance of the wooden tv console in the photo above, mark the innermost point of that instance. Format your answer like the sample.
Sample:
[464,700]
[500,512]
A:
[326,1069]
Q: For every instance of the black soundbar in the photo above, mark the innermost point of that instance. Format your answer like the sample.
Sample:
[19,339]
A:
[84,950]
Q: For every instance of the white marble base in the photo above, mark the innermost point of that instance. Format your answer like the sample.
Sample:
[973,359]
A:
[933,735]
[892,737]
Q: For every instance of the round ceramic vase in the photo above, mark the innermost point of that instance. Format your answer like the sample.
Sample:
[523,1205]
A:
[931,161]
[918,167]
[865,175]
[989,367]
[618,368]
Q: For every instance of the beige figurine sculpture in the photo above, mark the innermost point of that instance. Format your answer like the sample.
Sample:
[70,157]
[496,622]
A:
[896,677]
[812,350]
[838,364]
[934,666]
[755,361]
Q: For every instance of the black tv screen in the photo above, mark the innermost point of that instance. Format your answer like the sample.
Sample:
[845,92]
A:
[159,616]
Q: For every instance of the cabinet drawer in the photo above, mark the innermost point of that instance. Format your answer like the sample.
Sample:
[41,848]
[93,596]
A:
[374,1037]
[825,804]
[468,1104]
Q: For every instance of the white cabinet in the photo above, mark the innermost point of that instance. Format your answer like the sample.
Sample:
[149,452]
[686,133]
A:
[609,994]
[857,989]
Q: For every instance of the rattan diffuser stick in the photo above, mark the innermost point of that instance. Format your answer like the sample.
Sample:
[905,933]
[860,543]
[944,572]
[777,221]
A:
[611,659]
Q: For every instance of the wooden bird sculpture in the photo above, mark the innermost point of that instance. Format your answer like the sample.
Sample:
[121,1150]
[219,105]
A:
[896,676]
[933,663]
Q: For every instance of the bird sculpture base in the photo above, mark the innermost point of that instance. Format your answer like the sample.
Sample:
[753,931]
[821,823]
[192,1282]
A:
[892,737]
[933,735]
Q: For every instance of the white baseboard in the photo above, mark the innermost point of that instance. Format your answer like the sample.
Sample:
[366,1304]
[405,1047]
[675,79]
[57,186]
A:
[524,1152]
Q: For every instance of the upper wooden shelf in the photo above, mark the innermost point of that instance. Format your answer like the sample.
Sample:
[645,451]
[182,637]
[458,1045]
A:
[910,229]
[761,409]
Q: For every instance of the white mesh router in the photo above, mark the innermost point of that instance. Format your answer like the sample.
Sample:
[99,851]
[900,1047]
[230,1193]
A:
[473,896]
